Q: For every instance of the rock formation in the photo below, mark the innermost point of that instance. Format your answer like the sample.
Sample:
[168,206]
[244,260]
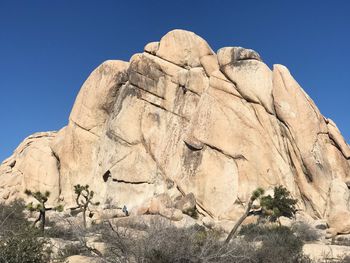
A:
[180,119]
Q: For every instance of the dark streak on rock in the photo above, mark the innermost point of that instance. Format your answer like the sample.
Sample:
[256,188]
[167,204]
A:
[129,182]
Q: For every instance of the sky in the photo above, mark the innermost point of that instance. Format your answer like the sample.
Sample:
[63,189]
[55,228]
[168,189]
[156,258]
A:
[48,49]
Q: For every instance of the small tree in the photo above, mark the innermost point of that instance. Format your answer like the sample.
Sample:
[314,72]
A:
[84,199]
[281,204]
[42,198]
[255,195]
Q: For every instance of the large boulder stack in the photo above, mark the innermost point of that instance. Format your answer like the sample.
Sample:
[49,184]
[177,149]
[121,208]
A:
[180,119]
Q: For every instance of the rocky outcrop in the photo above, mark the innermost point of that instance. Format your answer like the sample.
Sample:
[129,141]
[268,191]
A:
[33,165]
[321,252]
[179,119]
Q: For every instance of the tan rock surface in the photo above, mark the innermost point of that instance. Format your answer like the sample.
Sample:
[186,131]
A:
[338,213]
[33,165]
[335,135]
[251,77]
[152,47]
[81,259]
[183,48]
[322,252]
[180,119]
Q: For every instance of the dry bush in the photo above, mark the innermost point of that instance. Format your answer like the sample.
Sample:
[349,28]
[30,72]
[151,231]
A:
[24,246]
[305,231]
[65,231]
[19,242]
[163,242]
[12,217]
[160,241]
[277,243]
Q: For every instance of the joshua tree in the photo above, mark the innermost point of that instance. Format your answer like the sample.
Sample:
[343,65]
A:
[281,204]
[255,195]
[41,207]
[84,199]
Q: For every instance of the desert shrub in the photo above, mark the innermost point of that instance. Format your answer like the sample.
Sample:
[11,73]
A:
[19,242]
[162,242]
[278,243]
[25,246]
[66,231]
[305,231]
[166,243]
[12,217]
[254,232]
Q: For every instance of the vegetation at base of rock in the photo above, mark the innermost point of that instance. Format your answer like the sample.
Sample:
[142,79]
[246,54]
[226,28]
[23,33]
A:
[281,204]
[19,242]
[164,243]
[66,232]
[278,243]
[12,217]
[40,207]
[255,195]
[157,240]
[24,246]
[84,198]
[305,232]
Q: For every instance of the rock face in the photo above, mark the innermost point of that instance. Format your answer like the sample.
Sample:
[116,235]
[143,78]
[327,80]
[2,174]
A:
[180,119]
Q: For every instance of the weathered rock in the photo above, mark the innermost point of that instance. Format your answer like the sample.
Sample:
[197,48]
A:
[108,214]
[152,47]
[320,224]
[208,222]
[335,135]
[331,233]
[228,55]
[210,64]
[75,145]
[285,221]
[183,48]
[32,166]
[187,204]
[186,222]
[253,80]
[342,240]
[338,213]
[318,159]
[171,213]
[180,119]
[82,259]
[322,252]
[159,203]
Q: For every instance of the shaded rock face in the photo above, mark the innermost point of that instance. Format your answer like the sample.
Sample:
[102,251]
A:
[180,119]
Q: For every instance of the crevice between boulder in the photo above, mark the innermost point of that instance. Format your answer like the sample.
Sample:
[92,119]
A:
[234,157]
[83,128]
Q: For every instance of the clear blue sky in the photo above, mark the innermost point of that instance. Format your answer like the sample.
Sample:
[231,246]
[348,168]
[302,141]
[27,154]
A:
[48,48]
